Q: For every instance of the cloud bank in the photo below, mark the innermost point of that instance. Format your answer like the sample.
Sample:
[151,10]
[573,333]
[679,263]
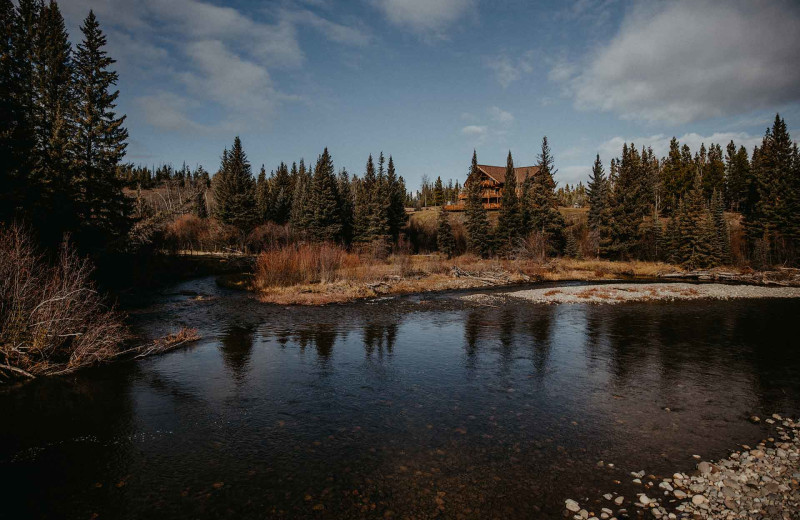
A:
[689,60]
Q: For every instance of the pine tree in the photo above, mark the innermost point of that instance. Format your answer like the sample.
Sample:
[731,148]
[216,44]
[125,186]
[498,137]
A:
[479,240]
[17,125]
[263,196]
[302,211]
[54,126]
[199,207]
[326,222]
[362,225]
[509,222]
[738,179]
[281,194]
[771,218]
[722,241]
[347,204]
[629,207]
[100,139]
[542,203]
[235,190]
[397,196]
[380,204]
[598,193]
[713,172]
[445,240]
[695,236]
[438,192]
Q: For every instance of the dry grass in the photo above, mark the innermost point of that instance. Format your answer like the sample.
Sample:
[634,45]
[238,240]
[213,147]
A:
[317,274]
[52,319]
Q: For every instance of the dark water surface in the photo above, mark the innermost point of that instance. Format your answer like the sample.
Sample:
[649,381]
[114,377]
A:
[410,408]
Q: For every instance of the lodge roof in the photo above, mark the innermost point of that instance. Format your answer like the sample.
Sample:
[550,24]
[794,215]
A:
[498,173]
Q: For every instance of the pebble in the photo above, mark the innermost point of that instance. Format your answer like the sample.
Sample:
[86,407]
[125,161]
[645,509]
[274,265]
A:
[572,506]
[760,482]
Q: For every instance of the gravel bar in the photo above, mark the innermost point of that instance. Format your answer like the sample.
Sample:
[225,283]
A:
[634,292]
[753,483]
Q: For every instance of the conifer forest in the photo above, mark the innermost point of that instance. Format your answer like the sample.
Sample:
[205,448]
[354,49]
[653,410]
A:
[314,338]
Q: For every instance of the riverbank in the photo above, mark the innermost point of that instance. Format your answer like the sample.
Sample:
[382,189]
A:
[759,482]
[638,292]
[353,278]
[407,274]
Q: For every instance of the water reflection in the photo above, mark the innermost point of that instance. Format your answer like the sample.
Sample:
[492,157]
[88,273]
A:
[379,337]
[365,410]
[236,345]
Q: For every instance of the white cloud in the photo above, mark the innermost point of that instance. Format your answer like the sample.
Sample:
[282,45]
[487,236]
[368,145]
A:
[660,142]
[572,174]
[475,132]
[500,116]
[426,17]
[508,69]
[689,60]
[230,54]
[167,111]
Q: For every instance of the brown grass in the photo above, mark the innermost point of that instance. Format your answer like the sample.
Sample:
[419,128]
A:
[316,274]
[51,317]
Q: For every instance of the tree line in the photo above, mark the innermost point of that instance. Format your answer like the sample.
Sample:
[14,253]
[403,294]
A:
[319,203]
[674,209]
[60,137]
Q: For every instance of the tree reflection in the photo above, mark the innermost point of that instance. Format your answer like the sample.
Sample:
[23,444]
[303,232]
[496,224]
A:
[236,345]
[379,337]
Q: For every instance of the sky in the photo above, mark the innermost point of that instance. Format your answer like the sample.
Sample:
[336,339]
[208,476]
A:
[428,81]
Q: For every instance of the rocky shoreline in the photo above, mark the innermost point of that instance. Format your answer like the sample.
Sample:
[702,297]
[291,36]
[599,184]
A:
[633,292]
[761,482]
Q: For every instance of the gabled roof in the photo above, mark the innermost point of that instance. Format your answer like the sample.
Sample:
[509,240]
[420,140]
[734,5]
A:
[498,173]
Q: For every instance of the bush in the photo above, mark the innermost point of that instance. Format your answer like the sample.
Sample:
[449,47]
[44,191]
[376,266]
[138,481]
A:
[302,264]
[51,317]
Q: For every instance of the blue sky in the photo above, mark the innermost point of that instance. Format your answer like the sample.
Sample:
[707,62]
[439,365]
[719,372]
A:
[429,80]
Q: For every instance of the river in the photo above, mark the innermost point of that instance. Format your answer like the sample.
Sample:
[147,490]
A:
[415,407]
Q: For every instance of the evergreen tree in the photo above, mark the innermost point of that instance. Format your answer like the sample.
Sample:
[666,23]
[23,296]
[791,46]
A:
[479,240]
[695,236]
[281,194]
[713,172]
[438,192]
[445,240]
[235,190]
[100,139]
[738,180]
[199,207]
[628,206]
[397,194]
[509,222]
[362,225]
[722,241]
[326,223]
[772,218]
[302,211]
[17,133]
[598,193]
[381,204]
[543,205]
[263,202]
[347,204]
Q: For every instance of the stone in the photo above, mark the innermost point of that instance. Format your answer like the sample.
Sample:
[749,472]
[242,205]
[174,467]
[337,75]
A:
[571,505]
[619,500]
[699,499]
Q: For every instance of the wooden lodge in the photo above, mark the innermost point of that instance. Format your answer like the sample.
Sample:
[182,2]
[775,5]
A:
[492,179]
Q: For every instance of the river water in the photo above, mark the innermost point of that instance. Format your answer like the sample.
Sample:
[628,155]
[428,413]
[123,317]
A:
[418,407]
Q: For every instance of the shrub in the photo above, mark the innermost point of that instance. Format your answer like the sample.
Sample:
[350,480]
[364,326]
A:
[51,317]
[302,264]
